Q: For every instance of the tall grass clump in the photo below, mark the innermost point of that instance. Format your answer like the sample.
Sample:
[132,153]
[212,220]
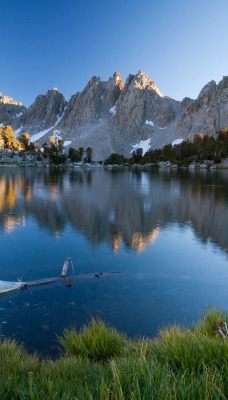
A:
[193,349]
[209,321]
[96,341]
[15,365]
[99,363]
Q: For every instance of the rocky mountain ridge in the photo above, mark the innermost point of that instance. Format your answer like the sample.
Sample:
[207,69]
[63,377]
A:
[8,100]
[9,109]
[112,117]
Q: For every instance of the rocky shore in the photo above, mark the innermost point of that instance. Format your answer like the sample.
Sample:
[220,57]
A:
[12,158]
[18,158]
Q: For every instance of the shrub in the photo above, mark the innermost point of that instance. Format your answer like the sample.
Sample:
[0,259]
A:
[95,341]
[115,158]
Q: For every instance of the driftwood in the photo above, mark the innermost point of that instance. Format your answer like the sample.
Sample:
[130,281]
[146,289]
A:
[6,286]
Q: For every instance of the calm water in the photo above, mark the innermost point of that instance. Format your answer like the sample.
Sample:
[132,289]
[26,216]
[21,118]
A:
[165,232]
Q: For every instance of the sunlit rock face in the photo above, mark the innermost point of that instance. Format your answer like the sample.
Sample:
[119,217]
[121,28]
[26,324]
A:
[139,103]
[9,100]
[112,117]
[10,110]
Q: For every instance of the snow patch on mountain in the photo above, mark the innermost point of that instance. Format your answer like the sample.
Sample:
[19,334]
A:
[39,135]
[149,123]
[58,136]
[113,110]
[143,144]
[67,143]
[177,141]
[17,131]
[60,117]
[18,115]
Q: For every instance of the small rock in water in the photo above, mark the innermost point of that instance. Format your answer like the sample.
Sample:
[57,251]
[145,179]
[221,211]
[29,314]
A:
[98,274]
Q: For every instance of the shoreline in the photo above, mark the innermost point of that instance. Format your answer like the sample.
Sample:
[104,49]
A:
[152,166]
[10,158]
[98,362]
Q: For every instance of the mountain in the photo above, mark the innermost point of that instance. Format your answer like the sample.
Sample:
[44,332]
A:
[42,115]
[112,117]
[10,109]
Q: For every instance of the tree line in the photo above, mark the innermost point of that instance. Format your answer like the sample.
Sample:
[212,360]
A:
[8,139]
[54,149]
[201,148]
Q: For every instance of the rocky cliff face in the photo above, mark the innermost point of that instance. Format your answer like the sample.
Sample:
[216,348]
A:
[208,113]
[10,110]
[91,105]
[111,117]
[44,113]
[142,110]
[86,120]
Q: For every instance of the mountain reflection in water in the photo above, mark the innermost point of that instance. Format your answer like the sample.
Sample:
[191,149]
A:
[164,231]
[116,206]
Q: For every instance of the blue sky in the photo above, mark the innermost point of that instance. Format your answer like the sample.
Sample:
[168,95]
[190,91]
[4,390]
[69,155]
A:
[180,44]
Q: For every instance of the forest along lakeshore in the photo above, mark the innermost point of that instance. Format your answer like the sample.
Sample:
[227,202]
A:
[149,252]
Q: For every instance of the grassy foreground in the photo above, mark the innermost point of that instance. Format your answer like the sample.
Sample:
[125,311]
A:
[100,363]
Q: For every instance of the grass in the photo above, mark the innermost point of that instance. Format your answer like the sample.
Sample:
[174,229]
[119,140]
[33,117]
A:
[95,341]
[98,363]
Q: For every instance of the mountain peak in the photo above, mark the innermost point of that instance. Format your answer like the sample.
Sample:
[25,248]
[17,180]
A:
[142,81]
[117,80]
[210,86]
[52,92]
[9,100]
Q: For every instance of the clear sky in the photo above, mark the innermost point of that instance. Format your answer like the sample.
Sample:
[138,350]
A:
[180,44]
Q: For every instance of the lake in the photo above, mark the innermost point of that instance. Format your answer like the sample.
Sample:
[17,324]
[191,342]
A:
[160,239]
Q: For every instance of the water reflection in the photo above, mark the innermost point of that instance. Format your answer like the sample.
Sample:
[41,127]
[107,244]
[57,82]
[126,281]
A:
[120,213]
[116,206]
